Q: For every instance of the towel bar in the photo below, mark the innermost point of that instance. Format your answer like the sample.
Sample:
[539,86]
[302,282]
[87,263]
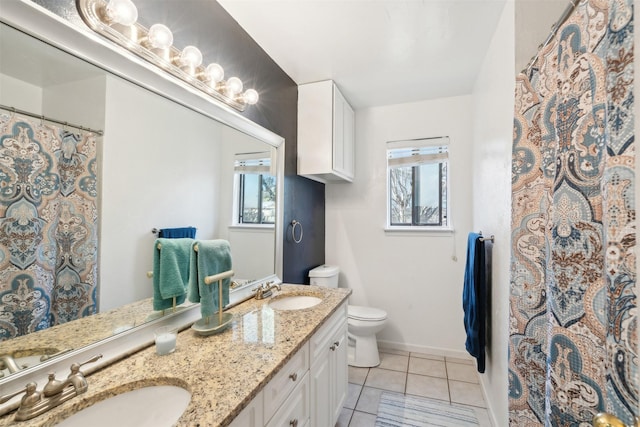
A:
[484,239]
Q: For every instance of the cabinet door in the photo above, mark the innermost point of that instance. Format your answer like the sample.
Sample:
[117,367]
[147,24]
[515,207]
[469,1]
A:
[339,374]
[348,141]
[338,131]
[343,136]
[321,408]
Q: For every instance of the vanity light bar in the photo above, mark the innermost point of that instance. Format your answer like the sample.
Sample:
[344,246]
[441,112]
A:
[117,21]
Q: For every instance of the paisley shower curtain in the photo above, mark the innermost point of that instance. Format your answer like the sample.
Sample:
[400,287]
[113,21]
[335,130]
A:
[48,225]
[573,303]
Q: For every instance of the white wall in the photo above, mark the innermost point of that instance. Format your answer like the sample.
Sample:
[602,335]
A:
[410,275]
[493,98]
[80,102]
[21,95]
[143,131]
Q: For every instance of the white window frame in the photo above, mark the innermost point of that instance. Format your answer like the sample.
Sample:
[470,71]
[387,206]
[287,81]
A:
[238,169]
[419,143]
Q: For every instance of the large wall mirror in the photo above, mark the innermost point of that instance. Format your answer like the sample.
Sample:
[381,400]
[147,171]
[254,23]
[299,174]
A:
[167,159]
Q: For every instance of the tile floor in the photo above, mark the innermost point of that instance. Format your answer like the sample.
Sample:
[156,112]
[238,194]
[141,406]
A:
[435,377]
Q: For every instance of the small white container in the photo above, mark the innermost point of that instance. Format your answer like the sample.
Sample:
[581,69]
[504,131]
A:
[165,340]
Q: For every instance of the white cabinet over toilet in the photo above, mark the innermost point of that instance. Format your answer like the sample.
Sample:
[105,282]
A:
[326,133]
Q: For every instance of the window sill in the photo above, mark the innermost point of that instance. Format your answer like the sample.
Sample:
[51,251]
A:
[252,226]
[420,230]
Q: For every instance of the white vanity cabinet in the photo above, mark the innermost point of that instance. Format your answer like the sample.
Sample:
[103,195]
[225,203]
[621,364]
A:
[329,370]
[311,388]
[326,133]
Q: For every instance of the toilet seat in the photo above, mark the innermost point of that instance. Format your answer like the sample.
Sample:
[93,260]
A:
[358,312]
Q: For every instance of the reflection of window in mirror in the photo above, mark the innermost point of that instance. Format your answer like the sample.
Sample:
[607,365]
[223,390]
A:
[254,189]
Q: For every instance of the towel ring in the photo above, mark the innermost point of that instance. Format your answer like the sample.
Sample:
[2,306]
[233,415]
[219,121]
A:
[294,224]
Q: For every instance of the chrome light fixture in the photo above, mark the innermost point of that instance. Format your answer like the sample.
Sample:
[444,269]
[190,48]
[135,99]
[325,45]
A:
[117,21]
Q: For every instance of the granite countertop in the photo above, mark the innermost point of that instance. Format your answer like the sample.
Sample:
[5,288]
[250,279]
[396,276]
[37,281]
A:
[223,372]
[81,332]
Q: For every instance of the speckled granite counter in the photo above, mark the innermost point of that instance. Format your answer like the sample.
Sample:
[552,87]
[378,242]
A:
[223,372]
[81,332]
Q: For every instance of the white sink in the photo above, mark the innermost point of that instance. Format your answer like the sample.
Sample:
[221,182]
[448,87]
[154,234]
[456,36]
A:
[153,406]
[294,302]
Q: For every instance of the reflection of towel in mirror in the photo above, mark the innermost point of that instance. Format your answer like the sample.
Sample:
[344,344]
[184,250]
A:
[170,271]
[178,233]
[212,257]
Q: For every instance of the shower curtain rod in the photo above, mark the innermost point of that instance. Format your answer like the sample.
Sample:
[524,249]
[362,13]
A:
[49,119]
[554,29]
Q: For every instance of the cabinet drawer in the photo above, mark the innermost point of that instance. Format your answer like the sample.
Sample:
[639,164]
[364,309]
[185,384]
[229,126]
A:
[295,411]
[280,387]
[321,340]
[251,415]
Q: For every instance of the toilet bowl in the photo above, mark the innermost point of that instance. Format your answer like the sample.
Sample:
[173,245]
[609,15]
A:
[363,323]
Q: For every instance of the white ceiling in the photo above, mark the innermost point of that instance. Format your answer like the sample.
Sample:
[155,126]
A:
[379,52]
[383,52]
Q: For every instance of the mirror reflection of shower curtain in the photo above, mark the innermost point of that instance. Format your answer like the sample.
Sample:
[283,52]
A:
[573,304]
[48,225]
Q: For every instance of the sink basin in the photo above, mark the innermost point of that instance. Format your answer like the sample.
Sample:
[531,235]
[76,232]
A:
[294,302]
[148,406]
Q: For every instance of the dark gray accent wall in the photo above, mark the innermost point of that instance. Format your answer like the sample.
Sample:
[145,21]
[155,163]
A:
[208,26]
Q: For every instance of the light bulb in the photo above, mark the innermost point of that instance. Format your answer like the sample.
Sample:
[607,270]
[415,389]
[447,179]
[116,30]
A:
[122,12]
[160,37]
[250,96]
[214,73]
[191,56]
[234,86]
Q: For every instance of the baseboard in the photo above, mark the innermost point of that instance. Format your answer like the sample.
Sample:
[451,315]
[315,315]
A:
[492,415]
[398,346]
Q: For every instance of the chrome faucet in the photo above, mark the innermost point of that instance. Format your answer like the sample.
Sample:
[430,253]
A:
[7,362]
[264,291]
[54,393]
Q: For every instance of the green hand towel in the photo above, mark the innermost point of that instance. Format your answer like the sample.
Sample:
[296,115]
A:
[212,257]
[170,271]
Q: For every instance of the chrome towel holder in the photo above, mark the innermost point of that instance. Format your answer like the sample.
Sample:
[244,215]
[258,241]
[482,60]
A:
[484,239]
[295,224]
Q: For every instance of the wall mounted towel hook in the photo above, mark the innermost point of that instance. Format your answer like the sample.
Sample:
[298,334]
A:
[295,224]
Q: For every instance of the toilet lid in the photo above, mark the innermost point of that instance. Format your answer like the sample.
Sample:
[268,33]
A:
[358,312]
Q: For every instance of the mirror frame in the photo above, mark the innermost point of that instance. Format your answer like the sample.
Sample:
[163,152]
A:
[83,43]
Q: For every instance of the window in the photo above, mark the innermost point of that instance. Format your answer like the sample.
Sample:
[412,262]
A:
[418,188]
[256,189]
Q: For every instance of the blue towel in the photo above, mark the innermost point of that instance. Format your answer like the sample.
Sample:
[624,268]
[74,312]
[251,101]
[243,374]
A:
[178,233]
[212,257]
[474,300]
[170,271]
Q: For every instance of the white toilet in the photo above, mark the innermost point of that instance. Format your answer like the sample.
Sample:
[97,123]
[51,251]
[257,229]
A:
[363,322]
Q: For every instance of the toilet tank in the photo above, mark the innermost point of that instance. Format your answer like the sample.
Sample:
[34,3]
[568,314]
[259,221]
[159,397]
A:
[325,275]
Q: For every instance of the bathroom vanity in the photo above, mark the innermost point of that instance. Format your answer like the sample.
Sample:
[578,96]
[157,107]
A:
[270,365]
